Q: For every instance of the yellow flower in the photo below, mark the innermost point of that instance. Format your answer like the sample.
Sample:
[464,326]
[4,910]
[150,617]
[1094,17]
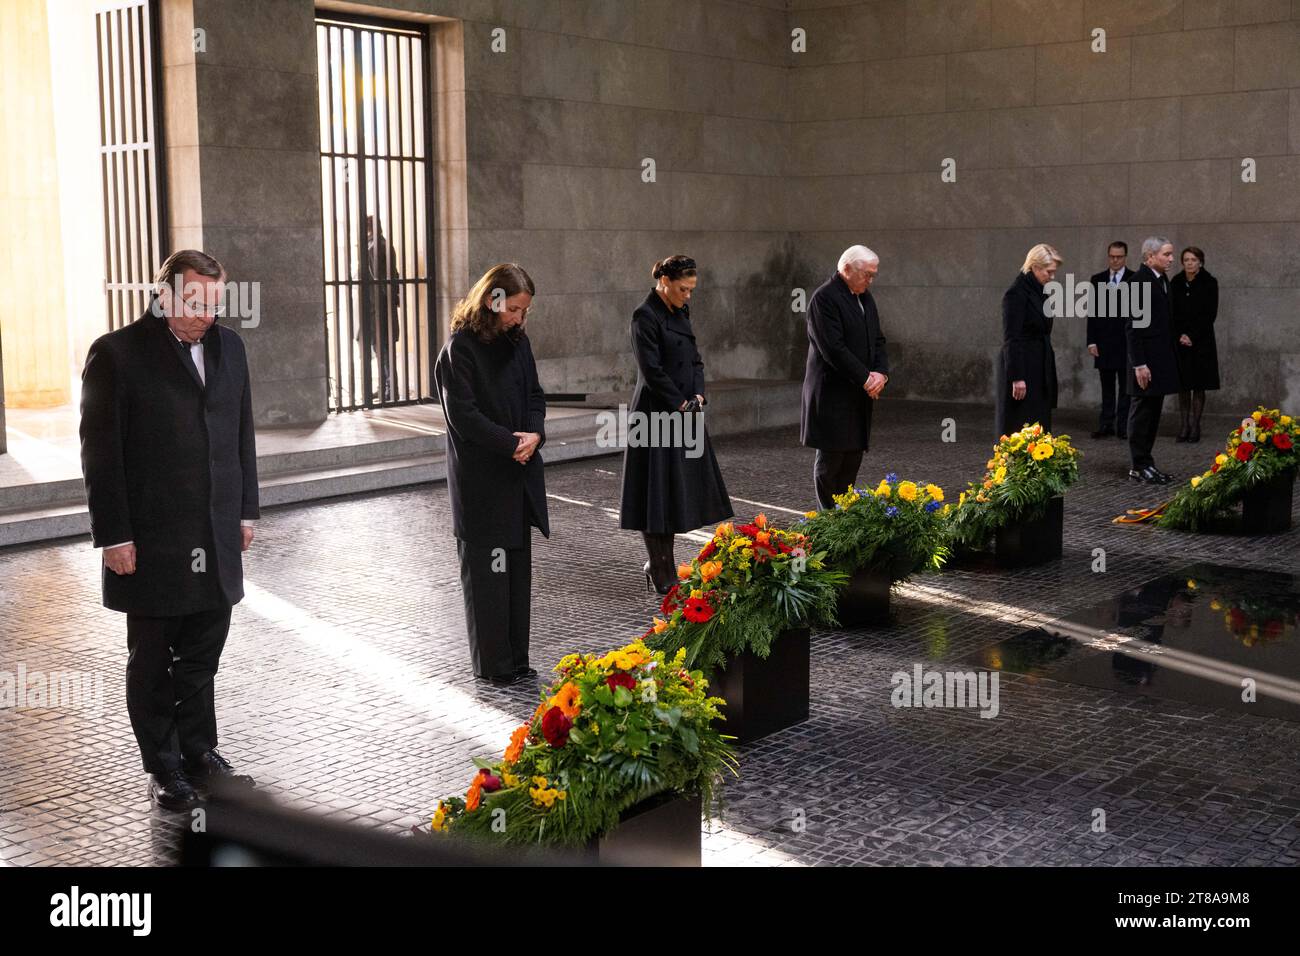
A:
[882,489]
[1257,415]
[1285,419]
[1196,480]
[935,492]
[1000,475]
[1191,584]
[945,509]
[439,821]
[1043,450]
[509,779]
[810,514]
[961,499]
[1220,459]
[907,490]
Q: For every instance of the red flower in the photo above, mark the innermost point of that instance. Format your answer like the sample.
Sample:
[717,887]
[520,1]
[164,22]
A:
[621,679]
[697,610]
[669,604]
[749,530]
[707,551]
[1214,468]
[491,782]
[1266,423]
[555,727]
[1282,440]
[1244,451]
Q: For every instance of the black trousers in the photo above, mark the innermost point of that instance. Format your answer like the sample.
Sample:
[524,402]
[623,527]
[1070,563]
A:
[170,675]
[1143,423]
[1115,400]
[833,472]
[497,583]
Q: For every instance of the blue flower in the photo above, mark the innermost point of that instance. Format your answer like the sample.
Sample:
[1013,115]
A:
[891,511]
[891,477]
[932,506]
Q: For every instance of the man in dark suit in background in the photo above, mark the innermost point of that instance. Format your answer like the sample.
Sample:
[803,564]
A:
[1107,342]
[846,371]
[1153,366]
[168,454]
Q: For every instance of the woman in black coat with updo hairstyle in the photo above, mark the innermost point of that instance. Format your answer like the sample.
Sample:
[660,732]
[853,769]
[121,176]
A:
[678,487]
[1194,302]
[1026,368]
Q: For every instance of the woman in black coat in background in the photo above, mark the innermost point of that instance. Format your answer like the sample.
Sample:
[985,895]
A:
[678,487]
[1194,301]
[1026,370]
[496,414]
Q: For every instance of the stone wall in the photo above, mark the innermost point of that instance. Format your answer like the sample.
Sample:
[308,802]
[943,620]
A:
[1053,143]
[768,163]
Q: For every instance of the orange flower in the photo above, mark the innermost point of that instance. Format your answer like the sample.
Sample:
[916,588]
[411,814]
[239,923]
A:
[723,529]
[517,740]
[683,571]
[475,794]
[763,538]
[988,484]
[711,569]
[760,521]
[569,699]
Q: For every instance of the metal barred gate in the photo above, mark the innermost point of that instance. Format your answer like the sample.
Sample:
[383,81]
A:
[129,143]
[376,192]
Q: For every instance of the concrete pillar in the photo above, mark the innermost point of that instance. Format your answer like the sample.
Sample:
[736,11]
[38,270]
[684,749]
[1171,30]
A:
[243,179]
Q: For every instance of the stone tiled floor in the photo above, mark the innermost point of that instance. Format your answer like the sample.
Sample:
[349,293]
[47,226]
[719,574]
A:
[346,690]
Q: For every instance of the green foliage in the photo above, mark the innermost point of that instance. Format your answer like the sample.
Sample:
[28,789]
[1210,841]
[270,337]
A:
[1027,470]
[594,748]
[899,527]
[1273,454]
[746,586]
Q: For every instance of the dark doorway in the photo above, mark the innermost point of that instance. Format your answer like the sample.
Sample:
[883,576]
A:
[376,191]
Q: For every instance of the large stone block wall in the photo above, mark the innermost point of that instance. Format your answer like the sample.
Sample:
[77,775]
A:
[1053,142]
[769,162]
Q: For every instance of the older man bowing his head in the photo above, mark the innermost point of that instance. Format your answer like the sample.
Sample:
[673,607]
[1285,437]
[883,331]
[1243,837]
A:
[846,371]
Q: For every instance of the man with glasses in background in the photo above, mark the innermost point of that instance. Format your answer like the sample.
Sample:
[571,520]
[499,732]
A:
[170,464]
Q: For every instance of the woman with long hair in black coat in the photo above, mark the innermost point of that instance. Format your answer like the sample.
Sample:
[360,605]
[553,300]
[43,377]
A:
[1026,372]
[1194,301]
[496,415]
[672,485]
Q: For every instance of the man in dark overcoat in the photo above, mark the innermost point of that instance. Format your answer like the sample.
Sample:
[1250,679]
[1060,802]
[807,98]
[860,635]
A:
[1107,342]
[170,465]
[846,371]
[1153,365]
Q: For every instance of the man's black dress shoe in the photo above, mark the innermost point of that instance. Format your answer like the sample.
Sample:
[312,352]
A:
[499,680]
[1149,476]
[525,672]
[1103,433]
[172,791]
[212,769]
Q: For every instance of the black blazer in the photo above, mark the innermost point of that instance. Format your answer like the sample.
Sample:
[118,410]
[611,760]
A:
[1027,356]
[170,464]
[1107,331]
[488,391]
[1153,346]
[845,345]
[1194,306]
[669,367]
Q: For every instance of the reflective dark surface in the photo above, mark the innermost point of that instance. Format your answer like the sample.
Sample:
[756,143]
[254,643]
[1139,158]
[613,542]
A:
[1202,620]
